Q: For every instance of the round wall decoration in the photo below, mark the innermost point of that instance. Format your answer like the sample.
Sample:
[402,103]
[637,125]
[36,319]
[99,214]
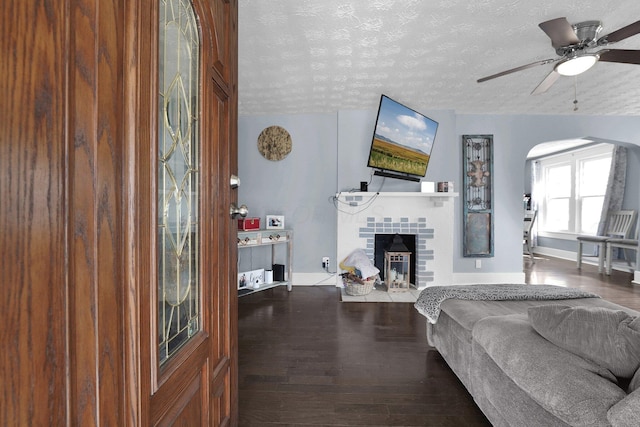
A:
[274,143]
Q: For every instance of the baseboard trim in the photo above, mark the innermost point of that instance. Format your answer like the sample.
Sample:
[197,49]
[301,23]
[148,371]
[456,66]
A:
[314,279]
[559,253]
[590,260]
[326,279]
[330,279]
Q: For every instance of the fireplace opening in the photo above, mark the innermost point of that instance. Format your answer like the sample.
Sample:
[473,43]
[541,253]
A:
[382,242]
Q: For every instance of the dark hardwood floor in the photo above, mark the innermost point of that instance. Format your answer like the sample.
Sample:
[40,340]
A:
[306,359]
[616,288]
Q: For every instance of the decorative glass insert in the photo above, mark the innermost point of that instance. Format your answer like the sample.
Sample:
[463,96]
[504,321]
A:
[478,195]
[478,163]
[178,177]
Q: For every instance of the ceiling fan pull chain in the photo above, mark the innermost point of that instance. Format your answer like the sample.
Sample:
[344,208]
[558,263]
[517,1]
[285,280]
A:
[575,93]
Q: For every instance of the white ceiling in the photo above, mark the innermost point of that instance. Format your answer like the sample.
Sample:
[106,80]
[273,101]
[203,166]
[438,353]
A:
[314,56]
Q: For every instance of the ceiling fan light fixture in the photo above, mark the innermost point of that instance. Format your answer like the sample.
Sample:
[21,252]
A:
[576,65]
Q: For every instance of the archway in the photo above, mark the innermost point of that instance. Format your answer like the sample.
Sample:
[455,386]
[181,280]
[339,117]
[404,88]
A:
[564,246]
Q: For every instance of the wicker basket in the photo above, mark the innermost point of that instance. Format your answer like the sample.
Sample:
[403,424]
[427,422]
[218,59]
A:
[357,289]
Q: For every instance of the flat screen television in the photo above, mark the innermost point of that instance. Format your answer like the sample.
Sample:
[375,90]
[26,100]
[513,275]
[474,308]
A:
[402,141]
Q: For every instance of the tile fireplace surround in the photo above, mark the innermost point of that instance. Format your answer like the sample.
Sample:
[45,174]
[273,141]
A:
[428,216]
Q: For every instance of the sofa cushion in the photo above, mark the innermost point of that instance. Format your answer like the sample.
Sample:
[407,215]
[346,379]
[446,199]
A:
[626,412]
[574,389]
[501,399]
[610,338]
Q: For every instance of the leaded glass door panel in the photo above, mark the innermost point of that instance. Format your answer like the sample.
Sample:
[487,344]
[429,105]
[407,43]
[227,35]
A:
[178,177]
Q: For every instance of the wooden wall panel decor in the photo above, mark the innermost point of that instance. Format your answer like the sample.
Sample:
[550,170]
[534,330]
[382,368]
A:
[477,191]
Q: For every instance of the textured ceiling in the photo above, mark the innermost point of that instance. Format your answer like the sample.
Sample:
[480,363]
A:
[313,56]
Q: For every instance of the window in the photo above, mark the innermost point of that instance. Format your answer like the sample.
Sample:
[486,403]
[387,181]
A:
[572,187]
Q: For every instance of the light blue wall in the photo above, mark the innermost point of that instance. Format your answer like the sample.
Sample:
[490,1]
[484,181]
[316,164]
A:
[297,187]
[330,155]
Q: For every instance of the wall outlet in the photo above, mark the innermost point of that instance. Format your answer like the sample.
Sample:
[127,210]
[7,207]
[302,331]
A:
[325,262]
[478,263]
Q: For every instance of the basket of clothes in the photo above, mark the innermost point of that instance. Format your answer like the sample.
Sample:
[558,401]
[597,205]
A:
[360,274]
[356,286]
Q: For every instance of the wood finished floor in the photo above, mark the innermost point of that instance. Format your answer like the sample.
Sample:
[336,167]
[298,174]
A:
[306,359]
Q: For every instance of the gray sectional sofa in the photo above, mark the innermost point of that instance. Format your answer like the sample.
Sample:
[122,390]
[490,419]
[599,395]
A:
[553,362]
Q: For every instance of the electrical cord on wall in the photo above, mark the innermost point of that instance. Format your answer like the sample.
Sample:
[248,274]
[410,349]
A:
[337,202]
[354,190]
[326,268]
[362,207]
[331,276]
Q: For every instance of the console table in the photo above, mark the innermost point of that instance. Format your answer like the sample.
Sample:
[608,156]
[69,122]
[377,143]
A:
[268,238]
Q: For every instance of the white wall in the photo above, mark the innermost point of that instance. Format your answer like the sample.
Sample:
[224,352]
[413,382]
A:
[330,154]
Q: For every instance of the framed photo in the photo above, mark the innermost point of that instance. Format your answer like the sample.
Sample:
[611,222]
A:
[243,281]
[275,222]
[251,279]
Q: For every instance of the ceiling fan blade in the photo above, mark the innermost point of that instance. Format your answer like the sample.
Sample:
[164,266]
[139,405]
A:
[546,83]
[625,56]
[520,68]
[622,33]
[560,32]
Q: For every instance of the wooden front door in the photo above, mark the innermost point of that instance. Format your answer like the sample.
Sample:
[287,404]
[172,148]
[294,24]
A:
[182,232]
[118,252]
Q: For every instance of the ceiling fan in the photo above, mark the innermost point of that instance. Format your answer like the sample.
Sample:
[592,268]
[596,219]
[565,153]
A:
[574,45]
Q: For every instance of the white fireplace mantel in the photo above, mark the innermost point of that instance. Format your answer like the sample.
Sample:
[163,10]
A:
[441,195]
[427,215]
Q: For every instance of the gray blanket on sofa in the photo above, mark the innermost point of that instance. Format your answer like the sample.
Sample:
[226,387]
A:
[428,303]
